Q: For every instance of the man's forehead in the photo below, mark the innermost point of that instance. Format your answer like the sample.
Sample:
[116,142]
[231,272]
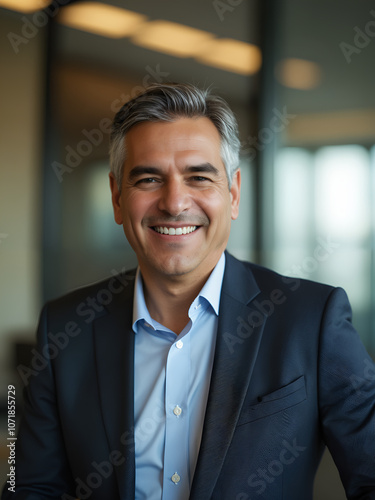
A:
[194,137]
[194,127]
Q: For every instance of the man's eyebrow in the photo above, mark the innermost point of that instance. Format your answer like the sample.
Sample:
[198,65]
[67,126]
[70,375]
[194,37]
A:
[207,168]
[142,170]
[139,170]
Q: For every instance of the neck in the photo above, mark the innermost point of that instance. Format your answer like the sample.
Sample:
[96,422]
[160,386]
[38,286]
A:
[168,298]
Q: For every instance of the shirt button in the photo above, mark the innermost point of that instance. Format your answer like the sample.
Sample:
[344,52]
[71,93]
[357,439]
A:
[179,344]
[177,411]
[176,478]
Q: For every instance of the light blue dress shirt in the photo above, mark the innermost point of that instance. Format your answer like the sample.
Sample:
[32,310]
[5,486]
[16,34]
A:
[172,377]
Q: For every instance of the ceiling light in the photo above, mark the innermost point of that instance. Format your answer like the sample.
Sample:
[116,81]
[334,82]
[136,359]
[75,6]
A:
[232,55]
[171,38]
[298,74]
[101,19]
[25,6]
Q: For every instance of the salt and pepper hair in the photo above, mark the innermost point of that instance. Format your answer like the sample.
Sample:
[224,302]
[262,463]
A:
[166,103]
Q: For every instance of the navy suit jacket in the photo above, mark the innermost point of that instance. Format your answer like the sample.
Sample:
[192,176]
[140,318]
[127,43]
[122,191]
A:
[290,376]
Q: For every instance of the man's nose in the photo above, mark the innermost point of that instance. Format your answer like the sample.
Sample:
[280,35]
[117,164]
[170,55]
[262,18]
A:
[174,197]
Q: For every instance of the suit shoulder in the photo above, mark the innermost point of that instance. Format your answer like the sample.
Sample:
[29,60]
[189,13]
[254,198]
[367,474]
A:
[269,280]
[103,291]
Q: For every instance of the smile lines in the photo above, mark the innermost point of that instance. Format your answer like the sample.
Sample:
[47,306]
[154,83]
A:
[175,231]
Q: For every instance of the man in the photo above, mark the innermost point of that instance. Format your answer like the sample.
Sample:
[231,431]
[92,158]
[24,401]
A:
[197,376]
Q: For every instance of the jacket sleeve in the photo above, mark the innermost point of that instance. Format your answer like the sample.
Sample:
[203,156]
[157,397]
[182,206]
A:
[347,399]
[42,469]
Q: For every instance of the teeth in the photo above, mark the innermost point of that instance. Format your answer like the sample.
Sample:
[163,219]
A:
[175,231]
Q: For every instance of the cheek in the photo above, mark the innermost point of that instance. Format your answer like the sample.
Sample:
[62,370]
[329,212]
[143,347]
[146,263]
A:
[132,204]
[136,206]
[216,206]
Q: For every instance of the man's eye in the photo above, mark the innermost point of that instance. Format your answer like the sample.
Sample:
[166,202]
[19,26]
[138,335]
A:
[200,178]
[146,180]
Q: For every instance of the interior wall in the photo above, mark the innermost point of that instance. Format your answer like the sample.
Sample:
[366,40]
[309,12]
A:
[21,90]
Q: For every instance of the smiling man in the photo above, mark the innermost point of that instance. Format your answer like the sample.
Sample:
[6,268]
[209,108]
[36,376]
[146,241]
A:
[176,207]
[199,377]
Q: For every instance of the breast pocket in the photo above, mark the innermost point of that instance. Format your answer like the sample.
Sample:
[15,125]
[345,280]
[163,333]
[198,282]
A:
[276,401]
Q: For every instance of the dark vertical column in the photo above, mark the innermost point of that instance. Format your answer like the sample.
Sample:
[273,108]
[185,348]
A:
[51,189]
[371,343]
[269,41]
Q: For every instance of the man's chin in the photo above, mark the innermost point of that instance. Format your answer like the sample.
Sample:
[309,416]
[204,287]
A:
[176,269]
[174,266]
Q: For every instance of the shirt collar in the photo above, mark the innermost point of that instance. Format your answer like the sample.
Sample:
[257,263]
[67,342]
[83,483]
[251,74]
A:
[211,291]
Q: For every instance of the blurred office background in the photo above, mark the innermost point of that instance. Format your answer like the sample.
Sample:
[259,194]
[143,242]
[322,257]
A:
[300,76]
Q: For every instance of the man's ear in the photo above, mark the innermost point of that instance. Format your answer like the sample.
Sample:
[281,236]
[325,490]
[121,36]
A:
[235,192]
[116,199]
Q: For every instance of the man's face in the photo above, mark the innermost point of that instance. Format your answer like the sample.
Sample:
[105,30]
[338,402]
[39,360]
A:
[175,204]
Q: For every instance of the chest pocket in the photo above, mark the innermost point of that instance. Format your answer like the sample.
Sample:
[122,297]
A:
[279,400]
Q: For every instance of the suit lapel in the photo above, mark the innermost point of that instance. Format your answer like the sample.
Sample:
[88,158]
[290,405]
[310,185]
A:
[114,352]
[239,334]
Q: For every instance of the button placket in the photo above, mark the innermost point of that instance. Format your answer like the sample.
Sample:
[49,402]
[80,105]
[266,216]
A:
[176,452]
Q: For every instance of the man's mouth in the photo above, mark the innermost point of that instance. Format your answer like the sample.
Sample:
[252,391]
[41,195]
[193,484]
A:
[175,231]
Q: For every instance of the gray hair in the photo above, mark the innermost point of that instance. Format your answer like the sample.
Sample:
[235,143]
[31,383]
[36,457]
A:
[168,102]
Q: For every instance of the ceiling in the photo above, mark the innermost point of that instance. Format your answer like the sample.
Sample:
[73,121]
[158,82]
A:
[315,30]
[308,29]
[121,58]
[92,71]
